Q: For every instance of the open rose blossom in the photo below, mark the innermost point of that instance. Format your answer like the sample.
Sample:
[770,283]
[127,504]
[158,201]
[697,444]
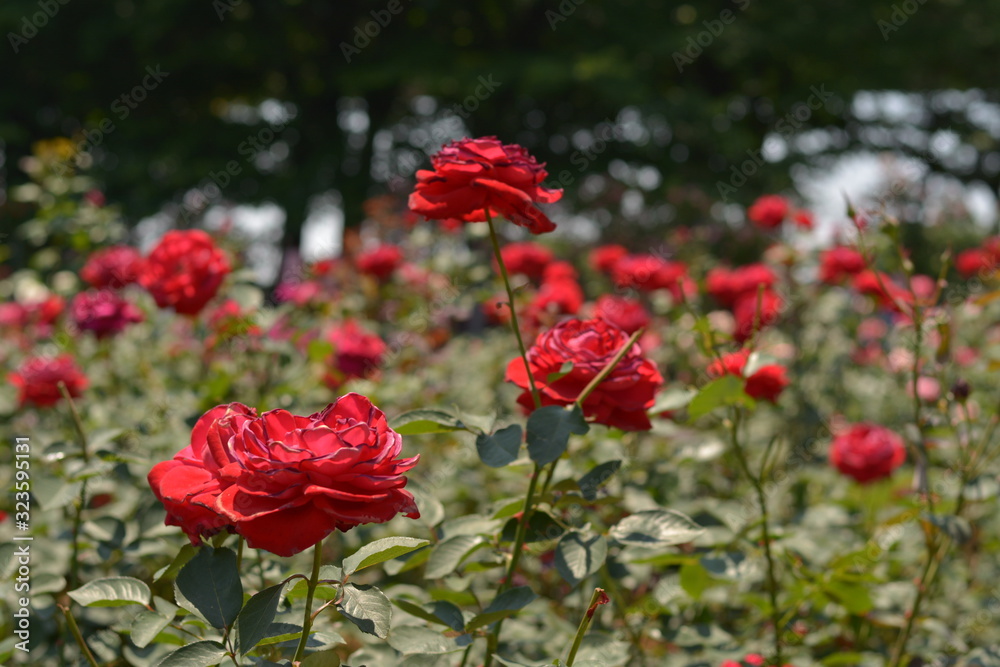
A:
[113,267]
[380,262]
[768,211]
[765,383]
[37,380]
[472,175]
[103,312]
[282,481]
[621,400]
[526,258]
[356,353]
[867,452]
[184,271]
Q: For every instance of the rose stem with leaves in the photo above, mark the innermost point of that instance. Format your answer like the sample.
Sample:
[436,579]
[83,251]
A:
[310,594]
[74,565]
[598,598]
[74,630]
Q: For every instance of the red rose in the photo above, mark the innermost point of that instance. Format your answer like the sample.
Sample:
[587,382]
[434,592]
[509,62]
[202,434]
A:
[803,219]
[867,452]
[104,312]
[768,211]
[647,273]
[356,353]
[184,271]
[604,258]
[563,296]
[114,267]
[727,286]
[753,312]
[838,263]
[284,482]
[766,383]
[881,286]
[627,314]
[621,400]
[974,261]
[38,378]
[472,175]
[381,261]
[526,258]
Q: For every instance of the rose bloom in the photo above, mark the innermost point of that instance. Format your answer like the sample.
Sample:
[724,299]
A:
[526,258]
[282,481]
[380,262]
[103,312]
[867,452]
[39,313]
[627,314]
[803,218]
[753,312]
[766,383]
[881,286]
[647,273]
[113,267]
[727,286]
[38,378]
[356,353]
[603,258]
[562,296]
[473,176]
[768,211]
[970,263]
[621,400]
[184,271]
[838,263]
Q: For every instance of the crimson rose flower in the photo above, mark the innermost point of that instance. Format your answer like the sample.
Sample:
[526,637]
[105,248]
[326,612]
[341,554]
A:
[381,261]
[563,296]
[526,258]
[472,175]
[38,378]
[838,263]
[621,400]
[647,272]
[627,314]
[184,271]
[356,353]
[766,383]
[282,481]
[603,258]
[768,211]
[727,286]
[867,452]
[753,313]
[114,267]
[104,312]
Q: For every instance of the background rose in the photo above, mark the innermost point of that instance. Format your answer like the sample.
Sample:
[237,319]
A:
[103,312]
[621,400]
[184,271]
[867,452]
[113,267]
[381,261]
[38,378]
[356,353]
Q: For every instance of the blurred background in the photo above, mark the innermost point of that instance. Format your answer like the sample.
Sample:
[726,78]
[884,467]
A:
[291,121]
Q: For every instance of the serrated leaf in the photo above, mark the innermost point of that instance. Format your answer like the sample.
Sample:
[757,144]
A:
[146,626]
[255,618]
[656,528]
[726,390]
[506,604]
[198,654]
[500,448]
[368,608]
[419,422]
[448,554]
[211,582]
[549,429]
[380,551]
[111,592]
[597,477]
[580,554]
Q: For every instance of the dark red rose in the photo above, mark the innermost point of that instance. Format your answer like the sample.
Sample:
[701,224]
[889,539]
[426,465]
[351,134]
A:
[729,364]
[559,271]
[282,481]
[473,175]
[356,353]
[526,258]
[184,271]
[381,261]
[766,383]
[38,378]
[113,267]
[104,312]
[40,314]
[562,296]
[803,219]
[754,312]
[621,400]
[647,273]
[727,286]
[883,288]
[838,263]
[768,211]
[867,452]
[975,261]
[627,314]
[604,258]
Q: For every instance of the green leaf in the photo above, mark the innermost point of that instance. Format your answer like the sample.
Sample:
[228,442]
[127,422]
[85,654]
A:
[198,654]
[953,526]
[146,626]
[672,399]
[506,604]
[579,555]
[255,618]
[413,639]
[656,528]
[111,592]
[440,611]
[501,448]
[419,422]
[549,429]
[597,477]
[211,582]
[321,659]
[448,554]
[186,553]
[726,390]
[694,579]
[542,527]
[368,608]
[563,371]
[380,551]
[853,597]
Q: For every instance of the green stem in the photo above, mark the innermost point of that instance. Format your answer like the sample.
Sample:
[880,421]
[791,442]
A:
[75,631]
[81,503]
[307,617]
[584,625]
[513,310]
[606,371]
